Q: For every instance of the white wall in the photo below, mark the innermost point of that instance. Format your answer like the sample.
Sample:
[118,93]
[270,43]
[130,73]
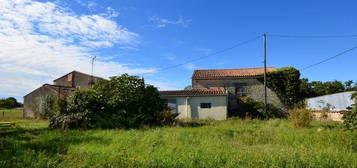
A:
[192,110]
[340,101]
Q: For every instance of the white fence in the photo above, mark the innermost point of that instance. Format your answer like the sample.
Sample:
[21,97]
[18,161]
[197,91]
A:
[336,102]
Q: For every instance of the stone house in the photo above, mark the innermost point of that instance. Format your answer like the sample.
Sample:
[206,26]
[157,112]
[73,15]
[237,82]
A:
[234,82]
[62,88]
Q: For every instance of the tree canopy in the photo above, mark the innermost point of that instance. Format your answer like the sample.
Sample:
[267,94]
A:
[9,103]
[122,102]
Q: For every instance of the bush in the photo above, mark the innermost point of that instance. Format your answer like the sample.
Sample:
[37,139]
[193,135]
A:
[300,117]
[52,107]
[350,118]
[121,102]
[249,108]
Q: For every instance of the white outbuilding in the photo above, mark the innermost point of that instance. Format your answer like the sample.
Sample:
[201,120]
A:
[198,103]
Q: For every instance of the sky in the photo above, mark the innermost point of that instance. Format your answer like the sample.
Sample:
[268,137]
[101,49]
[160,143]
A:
[41,40]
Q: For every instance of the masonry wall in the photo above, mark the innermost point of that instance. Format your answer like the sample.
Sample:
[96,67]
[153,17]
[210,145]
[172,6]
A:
[329,115]
[66,80]
[254,88]
[77,80]
[33,102]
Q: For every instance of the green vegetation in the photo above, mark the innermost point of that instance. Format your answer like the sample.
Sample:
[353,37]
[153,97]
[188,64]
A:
[318,88]
[122,102]
[285,82]
[300,117]
[249,108]
[11,114]
[9,103]
[350,118]
[232,143]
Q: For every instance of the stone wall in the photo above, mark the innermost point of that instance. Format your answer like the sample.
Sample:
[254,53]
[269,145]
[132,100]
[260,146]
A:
[255,90]
[329,115]
[77,80]
[33,102]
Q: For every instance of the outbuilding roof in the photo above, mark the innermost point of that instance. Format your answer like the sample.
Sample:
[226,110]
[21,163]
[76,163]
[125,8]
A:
[195,92]
[229,73]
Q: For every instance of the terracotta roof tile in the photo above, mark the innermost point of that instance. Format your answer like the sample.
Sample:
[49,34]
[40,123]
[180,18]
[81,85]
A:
[229,73]
[194,92]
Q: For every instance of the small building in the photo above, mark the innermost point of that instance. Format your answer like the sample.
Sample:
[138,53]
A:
[198,103]
[232,83]
[241,82]
[62,88]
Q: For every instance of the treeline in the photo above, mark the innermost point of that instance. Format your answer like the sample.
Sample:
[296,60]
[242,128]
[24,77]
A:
[318,88]
[9,103]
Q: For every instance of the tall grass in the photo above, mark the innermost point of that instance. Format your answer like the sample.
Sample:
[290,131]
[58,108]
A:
[232,143]
[11,114]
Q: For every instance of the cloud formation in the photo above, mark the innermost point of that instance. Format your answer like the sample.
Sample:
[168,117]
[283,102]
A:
[40,41]
[163,22]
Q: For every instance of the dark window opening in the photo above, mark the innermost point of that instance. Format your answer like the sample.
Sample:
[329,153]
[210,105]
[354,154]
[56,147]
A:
[242,89]
[205,105]
[172,105]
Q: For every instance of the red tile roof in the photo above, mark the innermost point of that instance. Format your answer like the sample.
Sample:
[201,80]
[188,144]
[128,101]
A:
[229,73]
[195,92]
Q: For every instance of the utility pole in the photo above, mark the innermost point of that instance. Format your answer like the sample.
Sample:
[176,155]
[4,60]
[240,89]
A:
[265,72]
[92,79]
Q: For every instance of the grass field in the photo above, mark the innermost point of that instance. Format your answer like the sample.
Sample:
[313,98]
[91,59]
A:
[8,115]
[232,143]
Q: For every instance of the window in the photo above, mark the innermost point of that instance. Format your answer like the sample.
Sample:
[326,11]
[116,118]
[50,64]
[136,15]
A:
[241,89]
[205,105]
[173,101]
[172,105]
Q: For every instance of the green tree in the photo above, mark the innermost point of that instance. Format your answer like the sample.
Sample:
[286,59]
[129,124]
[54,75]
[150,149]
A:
[188,87]
[348,85]
[122,102]
[10,102]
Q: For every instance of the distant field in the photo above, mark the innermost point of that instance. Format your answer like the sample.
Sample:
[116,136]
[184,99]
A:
[232,143]
[13,114]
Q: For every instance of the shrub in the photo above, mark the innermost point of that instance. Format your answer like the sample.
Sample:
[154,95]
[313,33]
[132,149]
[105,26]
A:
[350,118]
[300,117]
[249,108]
[121,102]
[52,106]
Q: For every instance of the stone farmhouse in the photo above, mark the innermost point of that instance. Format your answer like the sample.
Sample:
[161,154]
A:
[215,93]
[62,87]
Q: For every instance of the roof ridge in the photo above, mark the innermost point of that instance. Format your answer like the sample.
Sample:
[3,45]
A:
[233,68]
[74,71]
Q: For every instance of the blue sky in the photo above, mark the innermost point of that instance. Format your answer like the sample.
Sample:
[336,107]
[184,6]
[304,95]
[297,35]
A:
[41,40]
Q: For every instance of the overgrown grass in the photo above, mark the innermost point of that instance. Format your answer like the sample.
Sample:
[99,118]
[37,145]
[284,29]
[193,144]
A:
[11,114]
[232,143]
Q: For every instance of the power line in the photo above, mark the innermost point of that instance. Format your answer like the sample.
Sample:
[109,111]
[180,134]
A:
[329,58]
[210,55]
[312,36]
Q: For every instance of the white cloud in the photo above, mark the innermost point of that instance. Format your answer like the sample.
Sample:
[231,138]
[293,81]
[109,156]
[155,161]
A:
[162,22]
[40,41]
[189,66]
